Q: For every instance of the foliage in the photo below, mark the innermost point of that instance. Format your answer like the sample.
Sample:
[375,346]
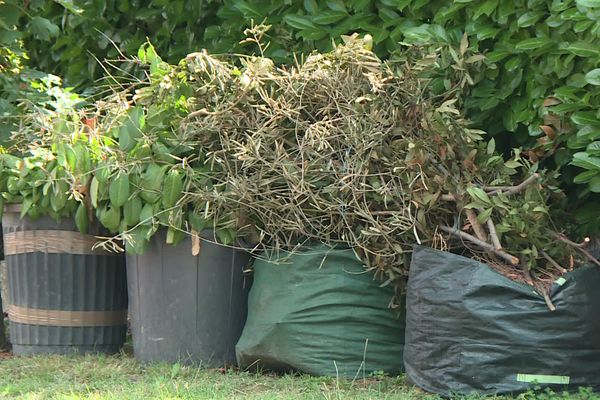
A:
[51,177]
[23,89]
[539,81]
[154,170]
[340,149]
[70,38]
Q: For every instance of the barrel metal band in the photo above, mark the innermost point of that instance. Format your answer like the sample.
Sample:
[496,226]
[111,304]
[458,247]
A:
[50,241]
[36,316]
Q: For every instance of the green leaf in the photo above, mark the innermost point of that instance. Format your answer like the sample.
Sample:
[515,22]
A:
[485,215]
[310,34]
[491,146]
[480,195]
[588,3]
[329,17]
[585,176]
[593,77]
[594,184]
[583,49]
[43,29]
[225,235]
[81,218]
[311,6]
[336,5]
[529,18]
[299,22]
[94,192]
[173,188]
[586,161]
[486,8]
[533,44]
[585,118]
[247,9]
[119,190]
[593,149]
[70,6]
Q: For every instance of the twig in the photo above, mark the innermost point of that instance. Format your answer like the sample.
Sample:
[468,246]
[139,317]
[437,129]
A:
[578,246]
[512,260]
[477,228]
[448,197]
[513,189]
[553,262]
[493,234]
[551,306]
[527,274]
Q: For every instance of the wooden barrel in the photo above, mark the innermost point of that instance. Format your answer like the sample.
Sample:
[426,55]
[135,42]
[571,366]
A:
[64,297]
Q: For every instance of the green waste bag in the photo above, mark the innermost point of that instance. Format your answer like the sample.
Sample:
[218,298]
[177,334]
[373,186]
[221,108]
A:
[321,314]
[470,329]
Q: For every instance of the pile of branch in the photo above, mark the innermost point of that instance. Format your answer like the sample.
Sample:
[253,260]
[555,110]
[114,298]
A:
[344,149]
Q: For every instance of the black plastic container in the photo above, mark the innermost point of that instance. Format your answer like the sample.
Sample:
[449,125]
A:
[187,308]
[64,297]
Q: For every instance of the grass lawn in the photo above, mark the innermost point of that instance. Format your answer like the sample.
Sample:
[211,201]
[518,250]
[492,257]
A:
[120,377]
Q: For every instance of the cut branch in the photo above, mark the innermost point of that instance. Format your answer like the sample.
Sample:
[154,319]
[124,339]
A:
[578,246]
[512,260]
[477,228]
[448,197]
[553,262]
[551,306]
[527,274]
[509,190]
[493,234]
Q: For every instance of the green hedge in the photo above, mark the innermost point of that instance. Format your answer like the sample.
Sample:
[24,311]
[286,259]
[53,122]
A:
[541,82]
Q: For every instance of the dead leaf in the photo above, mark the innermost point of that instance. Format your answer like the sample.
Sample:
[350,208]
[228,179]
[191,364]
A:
[548,131]
[195,243]
[551,101]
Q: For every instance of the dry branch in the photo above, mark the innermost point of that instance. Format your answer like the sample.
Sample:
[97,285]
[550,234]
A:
[510,190]
[553,262]
[477,228]
[577,246]
[493,234]
[551,306]
[486,246]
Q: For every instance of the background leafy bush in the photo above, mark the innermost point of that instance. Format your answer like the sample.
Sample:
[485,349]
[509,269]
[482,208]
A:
[539,89]
[23,88]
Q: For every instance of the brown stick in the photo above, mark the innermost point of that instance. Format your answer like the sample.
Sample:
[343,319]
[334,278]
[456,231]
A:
[448,197]
[509,190]
[493,234]
[477,228]
[551,306]
[527,274]
[512,260]
[577,246]
[553,262]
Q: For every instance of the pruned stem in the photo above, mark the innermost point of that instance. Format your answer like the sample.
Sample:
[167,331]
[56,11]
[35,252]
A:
[509,190]
[448,197]
[553,262]
[477,228]
[577,246]
[493,234]
[527,274]
[551,306]
[512,260]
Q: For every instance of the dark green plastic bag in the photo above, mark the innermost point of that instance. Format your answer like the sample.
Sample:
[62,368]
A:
[470,329]
[321,314]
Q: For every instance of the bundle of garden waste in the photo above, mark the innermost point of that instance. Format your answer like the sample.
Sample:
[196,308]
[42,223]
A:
[341,149]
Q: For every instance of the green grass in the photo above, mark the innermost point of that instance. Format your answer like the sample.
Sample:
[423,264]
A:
[120,377]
